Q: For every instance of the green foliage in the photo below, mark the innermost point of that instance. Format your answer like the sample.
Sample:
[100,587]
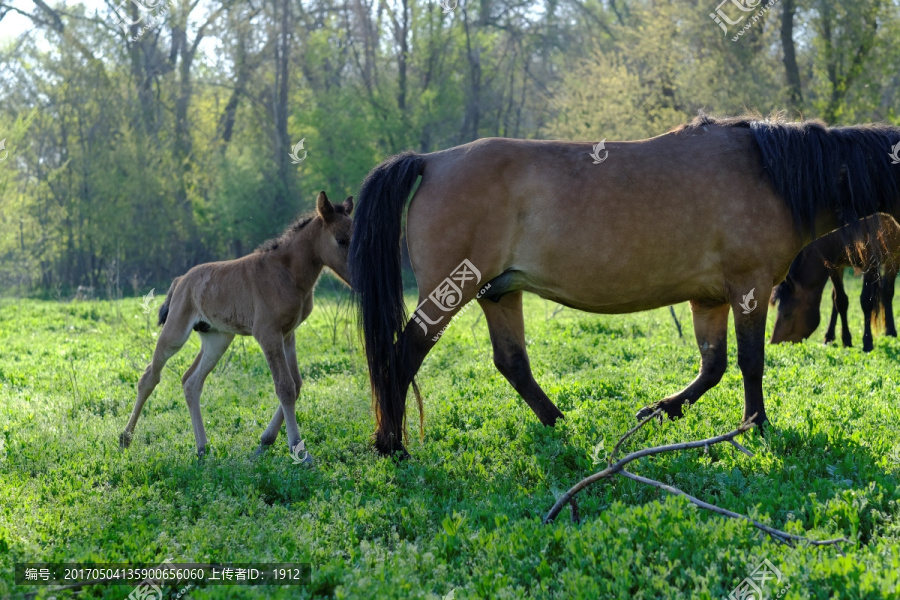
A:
[133,160]
[463,515]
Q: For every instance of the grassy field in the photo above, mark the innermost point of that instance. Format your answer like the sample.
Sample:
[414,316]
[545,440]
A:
[462,519]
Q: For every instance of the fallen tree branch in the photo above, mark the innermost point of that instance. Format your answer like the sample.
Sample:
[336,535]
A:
[618,468]
[677,322]
[615,450]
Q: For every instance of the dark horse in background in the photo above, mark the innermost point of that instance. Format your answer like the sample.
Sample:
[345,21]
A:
[712,212]
[798,297]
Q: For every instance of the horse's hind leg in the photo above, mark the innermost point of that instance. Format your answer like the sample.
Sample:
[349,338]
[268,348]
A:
[711,332]
[506,325]
[213,345]
[174,334]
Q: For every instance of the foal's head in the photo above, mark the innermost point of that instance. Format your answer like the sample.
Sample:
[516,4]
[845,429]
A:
[333,242]
[798,312]
[798,297]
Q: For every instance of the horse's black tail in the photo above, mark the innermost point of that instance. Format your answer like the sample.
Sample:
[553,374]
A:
[376,279]
[164,309]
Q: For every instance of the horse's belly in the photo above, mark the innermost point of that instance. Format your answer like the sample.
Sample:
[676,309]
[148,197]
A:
[612,290]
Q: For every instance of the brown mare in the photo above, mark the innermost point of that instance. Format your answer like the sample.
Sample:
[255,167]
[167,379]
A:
[266,294]
[798,297]
[706,213]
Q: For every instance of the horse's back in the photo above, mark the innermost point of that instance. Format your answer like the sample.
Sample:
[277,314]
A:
[654,222]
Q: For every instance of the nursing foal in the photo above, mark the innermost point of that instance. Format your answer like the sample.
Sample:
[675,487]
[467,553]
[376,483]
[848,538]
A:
[266,294]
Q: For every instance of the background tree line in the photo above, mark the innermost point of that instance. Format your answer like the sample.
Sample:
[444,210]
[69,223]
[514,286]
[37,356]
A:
[138,150]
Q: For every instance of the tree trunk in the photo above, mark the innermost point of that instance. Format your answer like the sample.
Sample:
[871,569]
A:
[792,72]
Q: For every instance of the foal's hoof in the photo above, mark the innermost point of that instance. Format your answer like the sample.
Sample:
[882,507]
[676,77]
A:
[124,440]
[300,456]
[306,461]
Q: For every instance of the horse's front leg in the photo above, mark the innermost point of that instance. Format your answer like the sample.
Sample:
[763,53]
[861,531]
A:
[887,299]
[868,303]
[411,348]
[711,332]
[750,330]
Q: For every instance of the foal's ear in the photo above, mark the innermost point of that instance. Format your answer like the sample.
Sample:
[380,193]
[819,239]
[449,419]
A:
[348,205]
[324,208]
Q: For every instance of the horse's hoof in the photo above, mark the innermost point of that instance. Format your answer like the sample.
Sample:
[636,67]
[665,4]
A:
[672,412]
[203,453]
[645,412]
[390,447]
[260,450]
[394,452]
[762,426]
[124,440]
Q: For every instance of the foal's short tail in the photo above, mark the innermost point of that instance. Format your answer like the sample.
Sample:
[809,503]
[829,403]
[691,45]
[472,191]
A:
[164,309]
[376,279]
[877,318]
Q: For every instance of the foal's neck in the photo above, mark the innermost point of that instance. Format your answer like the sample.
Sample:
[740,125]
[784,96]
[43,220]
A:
[300,257]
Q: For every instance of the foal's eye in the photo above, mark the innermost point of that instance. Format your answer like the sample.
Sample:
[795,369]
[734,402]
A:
[343,242]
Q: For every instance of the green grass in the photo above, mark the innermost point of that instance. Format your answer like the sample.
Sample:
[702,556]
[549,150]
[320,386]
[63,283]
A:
[465,513]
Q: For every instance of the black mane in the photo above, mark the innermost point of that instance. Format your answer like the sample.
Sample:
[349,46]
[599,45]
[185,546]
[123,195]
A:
[847,170]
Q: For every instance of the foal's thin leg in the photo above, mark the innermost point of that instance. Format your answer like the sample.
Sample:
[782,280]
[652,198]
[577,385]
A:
[839,305]
[711,332]
[271,432]
[751,331]
[213,345]
[172,337]
[867,302]
[506,325]
[887,300]
[273,346]
[843,303]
